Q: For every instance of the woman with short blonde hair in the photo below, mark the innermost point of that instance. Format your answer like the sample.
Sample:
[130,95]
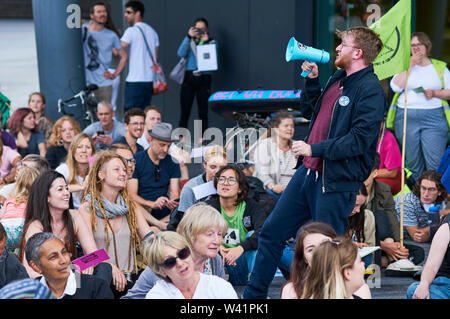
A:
[169,255]
[198,219]
[215,158]
[203,228]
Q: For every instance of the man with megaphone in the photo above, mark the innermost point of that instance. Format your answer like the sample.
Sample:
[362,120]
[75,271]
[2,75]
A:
[337,155]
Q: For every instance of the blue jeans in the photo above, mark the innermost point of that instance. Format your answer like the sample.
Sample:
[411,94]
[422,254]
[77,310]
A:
[301,201]
[238,275]
[439,289]
[138,94]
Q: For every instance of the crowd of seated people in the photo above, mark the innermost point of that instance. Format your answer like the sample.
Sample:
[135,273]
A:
[115,186]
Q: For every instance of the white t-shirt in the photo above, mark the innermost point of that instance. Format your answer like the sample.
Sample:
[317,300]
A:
[426,77]
[76,196]
[140,66]
[208,287]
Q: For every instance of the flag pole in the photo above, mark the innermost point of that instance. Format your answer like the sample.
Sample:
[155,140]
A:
[403,159]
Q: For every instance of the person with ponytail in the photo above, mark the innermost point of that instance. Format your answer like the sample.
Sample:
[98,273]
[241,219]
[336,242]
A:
[336,271]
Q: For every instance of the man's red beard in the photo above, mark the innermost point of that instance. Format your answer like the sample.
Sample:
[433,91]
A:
[343,61]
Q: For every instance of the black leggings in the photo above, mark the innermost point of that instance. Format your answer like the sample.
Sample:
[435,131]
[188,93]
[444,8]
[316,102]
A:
[195,86]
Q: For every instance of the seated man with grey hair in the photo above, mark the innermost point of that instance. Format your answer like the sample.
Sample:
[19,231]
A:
[47,255]
[107,128]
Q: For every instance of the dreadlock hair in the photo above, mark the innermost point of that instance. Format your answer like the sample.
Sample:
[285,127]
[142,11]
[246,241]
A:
[94,189]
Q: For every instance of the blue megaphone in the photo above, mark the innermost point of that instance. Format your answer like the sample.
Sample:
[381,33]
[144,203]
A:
[298,51]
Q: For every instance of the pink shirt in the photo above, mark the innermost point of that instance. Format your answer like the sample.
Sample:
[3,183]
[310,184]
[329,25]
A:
[12,210]
[8,156]
[390,156]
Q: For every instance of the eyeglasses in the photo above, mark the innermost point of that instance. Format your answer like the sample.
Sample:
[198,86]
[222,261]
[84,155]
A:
[346,45]
[415,45]
[137,123]
[157,173]
[182,254]
[430,190]
[130,160]
[223,179]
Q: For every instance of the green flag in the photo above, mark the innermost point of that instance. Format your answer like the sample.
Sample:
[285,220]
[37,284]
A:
[5,107]
[394,29]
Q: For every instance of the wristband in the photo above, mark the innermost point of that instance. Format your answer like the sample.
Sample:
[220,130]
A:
[147,235]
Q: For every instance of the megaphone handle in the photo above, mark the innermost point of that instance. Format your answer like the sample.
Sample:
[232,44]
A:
[305,73]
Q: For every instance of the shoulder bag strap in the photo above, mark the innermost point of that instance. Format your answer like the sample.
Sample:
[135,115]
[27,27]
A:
[146,44]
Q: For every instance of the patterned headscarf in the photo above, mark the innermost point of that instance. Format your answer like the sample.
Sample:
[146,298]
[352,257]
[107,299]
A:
[26,289]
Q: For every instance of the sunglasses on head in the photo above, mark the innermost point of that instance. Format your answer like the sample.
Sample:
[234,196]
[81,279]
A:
[182,254]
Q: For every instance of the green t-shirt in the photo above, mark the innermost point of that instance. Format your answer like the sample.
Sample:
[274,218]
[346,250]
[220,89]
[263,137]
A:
[236,230]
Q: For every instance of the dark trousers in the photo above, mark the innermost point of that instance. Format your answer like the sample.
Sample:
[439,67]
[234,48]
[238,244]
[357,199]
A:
[195,86]
[138,94]
[383,230]
[302,201]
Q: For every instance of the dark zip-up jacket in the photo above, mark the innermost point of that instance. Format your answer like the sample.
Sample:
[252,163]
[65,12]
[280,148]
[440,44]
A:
[348,152]
[254,218]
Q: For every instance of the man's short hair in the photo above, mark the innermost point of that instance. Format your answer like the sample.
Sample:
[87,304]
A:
[105,103]
[34,244]
[136,6]
[132,112]
[201,19]
[98,3]
[366,39]
[152,107]
[39,162]
[119,146]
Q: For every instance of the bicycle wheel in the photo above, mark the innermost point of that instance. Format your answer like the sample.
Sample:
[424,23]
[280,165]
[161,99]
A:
[241,141]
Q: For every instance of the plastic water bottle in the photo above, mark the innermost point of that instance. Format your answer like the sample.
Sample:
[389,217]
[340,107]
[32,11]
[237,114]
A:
[433,219]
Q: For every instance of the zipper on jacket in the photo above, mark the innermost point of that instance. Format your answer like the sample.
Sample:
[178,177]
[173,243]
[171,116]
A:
[315,106]
[328,135]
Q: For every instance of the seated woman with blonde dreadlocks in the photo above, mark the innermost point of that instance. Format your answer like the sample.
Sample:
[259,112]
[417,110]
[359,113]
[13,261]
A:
[116,222]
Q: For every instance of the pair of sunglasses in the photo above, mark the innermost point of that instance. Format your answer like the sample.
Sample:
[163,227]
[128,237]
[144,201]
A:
[182,254]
